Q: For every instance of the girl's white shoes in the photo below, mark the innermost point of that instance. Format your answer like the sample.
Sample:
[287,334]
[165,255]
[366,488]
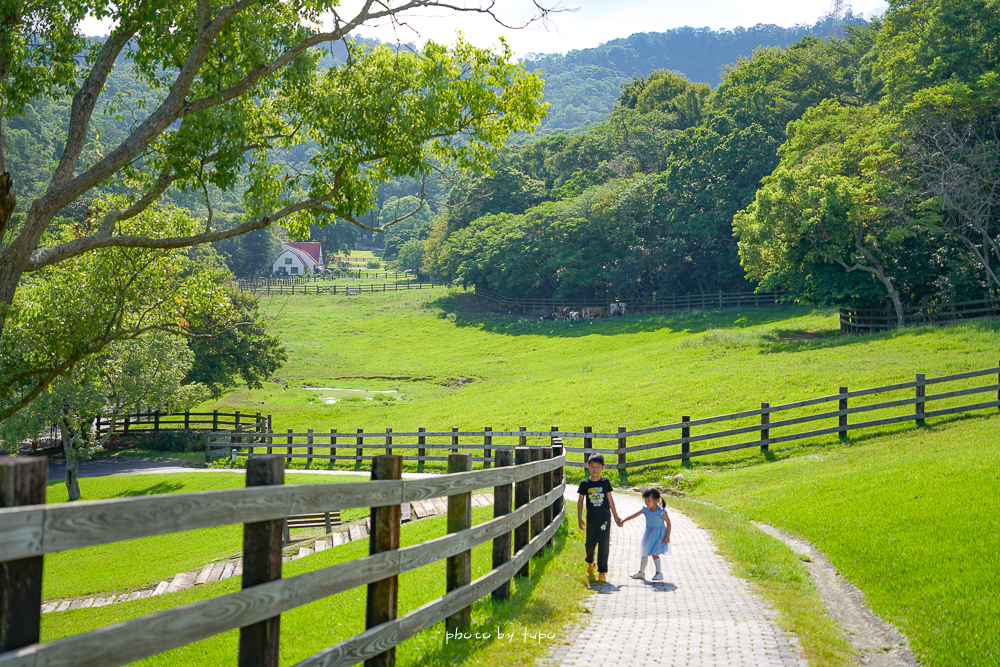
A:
[640,575]
[658,576]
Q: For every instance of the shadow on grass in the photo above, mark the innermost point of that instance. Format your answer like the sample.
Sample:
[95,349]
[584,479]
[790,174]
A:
[513,614]
[152,490]
[691,321]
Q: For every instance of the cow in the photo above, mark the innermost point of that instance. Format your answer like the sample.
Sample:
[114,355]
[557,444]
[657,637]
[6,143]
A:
[510,307]
[593,312]
[574,316]
[618,308]
[563,312]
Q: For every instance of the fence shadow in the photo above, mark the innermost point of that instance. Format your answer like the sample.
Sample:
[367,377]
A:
[153,490]
[468,313]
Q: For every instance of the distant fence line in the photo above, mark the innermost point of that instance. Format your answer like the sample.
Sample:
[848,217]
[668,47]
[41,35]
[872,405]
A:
[285,280]
[358,446]
[155,420]
[544,305]
[345,290]
[531,482]
[883,318]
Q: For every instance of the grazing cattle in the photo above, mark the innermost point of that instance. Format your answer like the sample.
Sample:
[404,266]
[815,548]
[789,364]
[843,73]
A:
[593,312]
[618,308]
[574,316]
[510,306]
[563,312]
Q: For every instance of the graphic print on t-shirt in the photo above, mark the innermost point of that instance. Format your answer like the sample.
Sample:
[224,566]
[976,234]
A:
[596,496]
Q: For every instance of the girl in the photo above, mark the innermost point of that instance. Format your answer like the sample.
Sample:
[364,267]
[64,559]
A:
[656,539]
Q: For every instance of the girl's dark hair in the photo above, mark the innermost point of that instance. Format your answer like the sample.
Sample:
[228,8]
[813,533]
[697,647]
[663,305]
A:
[655,495]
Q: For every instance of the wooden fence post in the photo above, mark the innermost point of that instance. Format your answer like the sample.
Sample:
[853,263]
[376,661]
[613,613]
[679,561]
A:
[685,434]
[552,438]
[237,420]
[557,477]
[921,392]
[388,441]
[22,482]
[289,448]
[621,447]
[588,443]
[502,496]
[262,563]
[522,440]
[535,491]
[215,420]
[359,452]
[156,420]
[546,487]
[522,455]
[842,422]
[459,566]
[487,445]
[187,420]
[309,449]
[383,595]
[421,451]
[333,444]
[765,433]
[454,440]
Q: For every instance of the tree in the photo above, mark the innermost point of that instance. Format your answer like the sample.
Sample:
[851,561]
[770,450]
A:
[231,82]
[822,208]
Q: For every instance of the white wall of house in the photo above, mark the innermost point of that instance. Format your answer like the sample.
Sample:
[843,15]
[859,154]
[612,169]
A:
[290,263]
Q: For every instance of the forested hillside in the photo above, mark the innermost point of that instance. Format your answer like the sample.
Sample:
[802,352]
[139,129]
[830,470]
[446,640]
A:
[849,171]
[582,86]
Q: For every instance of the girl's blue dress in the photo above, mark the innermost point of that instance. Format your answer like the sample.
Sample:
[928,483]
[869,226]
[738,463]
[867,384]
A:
[652,540]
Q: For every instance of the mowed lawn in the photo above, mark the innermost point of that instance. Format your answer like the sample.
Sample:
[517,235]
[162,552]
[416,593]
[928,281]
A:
[912,519]
[426,359]
[136,564]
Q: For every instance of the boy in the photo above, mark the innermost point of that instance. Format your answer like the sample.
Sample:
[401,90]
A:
[595,492]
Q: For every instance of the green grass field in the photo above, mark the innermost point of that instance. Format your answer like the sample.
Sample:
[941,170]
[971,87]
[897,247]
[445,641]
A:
[544,602]
[136,564]
[427,359]
[911,519]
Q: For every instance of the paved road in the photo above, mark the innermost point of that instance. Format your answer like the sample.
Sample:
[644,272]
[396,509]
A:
[699,615]
[102,467]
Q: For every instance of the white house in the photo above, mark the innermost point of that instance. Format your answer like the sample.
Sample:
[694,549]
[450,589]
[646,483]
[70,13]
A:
[295,258]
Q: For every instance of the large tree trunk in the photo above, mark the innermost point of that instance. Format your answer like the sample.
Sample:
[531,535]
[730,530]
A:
[72,462]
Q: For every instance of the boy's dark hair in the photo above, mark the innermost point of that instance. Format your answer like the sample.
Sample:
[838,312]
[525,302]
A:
[655,495]
[595,458]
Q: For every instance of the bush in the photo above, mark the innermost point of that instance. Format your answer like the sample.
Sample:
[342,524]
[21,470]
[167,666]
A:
[170,441]
[373,264]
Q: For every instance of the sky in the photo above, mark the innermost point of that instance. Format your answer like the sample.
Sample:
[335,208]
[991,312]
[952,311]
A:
[588,23]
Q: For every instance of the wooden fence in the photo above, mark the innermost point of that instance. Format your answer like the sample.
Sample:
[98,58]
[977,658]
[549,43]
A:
[908,401]
[883,318]
[543,306]
[346,290]
[153,419]
[278,280]
[32,529]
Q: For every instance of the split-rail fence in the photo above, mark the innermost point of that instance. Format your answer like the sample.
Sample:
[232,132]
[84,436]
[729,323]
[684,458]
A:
[153,419]
[32,529]
[704,300]
[344,290]
[883,318]
[754,428]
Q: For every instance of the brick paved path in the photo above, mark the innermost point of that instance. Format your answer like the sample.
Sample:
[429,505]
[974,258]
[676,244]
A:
[699,615]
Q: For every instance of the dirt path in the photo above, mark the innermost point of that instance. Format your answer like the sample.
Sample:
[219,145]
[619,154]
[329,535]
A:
[878,643]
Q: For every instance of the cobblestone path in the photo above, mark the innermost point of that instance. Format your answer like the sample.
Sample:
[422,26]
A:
[699,615]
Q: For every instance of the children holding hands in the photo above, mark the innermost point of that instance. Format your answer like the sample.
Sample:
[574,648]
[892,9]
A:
[656,539]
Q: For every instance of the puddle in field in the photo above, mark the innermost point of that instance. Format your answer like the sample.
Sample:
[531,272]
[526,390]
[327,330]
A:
[336,395]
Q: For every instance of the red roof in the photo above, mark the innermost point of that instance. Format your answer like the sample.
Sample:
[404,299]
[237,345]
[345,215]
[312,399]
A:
[311,248]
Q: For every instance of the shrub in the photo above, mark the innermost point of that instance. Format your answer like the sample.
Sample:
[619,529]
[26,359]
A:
[373,264]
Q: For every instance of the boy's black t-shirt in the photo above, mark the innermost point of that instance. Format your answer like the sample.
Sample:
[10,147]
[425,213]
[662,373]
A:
[598,506]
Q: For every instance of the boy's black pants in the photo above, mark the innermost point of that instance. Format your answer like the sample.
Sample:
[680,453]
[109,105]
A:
[599,536]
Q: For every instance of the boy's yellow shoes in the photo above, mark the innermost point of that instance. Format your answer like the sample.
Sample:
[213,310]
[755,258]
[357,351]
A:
[591,569]
[602,579]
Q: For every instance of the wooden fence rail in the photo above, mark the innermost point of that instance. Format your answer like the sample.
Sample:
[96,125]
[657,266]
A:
[541,306]
[771,424]
[343,290]
[153,419]
[33,530]
[883,318]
